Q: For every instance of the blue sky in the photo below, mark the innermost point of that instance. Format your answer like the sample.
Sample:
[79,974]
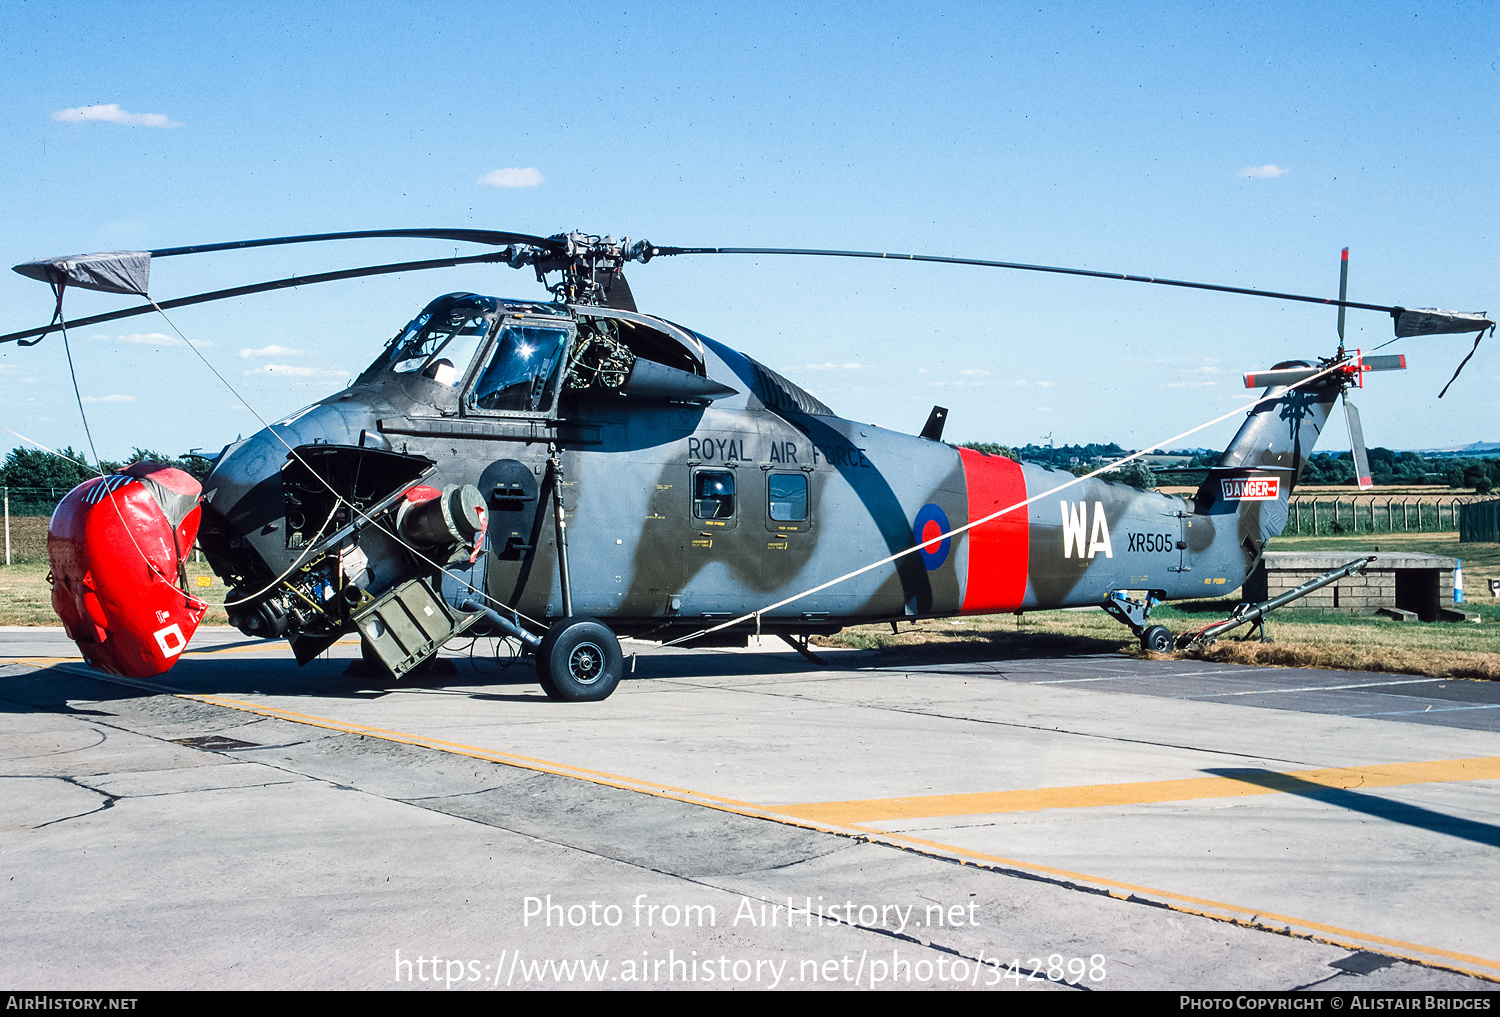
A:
[1102,136]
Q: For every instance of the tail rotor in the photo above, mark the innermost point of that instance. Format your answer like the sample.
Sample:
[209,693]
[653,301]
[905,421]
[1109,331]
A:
[1349,372]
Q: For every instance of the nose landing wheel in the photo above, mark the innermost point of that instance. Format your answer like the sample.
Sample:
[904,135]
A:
[579,661]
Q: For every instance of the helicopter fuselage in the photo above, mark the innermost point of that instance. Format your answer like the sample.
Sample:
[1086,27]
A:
[699,486]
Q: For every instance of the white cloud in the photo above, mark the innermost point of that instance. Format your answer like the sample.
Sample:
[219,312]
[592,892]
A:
[270,351]
[287,371]
[976,372]
[1191,384]
[111,113]
[1047,384]
[512,177]
[109,399]
[1266,172]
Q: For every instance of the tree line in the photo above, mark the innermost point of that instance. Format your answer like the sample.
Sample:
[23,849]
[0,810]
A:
[1322,469]
[35,470]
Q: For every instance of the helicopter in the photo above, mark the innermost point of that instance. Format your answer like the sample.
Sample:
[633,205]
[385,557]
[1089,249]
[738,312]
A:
[568,472]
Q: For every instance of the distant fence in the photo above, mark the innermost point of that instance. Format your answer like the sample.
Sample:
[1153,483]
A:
[1479,522]
[34,501]
[27,511]
[1311,515]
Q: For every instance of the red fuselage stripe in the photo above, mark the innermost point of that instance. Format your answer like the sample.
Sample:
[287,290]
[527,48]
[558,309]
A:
[999,550]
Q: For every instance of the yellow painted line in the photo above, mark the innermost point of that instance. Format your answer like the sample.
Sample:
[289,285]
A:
[1480,967]
[476,752]
[884,810]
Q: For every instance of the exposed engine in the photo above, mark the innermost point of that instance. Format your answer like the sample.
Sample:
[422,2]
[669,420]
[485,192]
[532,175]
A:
[366,538]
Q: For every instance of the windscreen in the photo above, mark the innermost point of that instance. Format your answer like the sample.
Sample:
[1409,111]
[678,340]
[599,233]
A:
[522,371]
[442,340]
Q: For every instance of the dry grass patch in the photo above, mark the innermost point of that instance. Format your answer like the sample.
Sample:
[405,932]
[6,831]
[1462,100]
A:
[1388,660]
[26,598]
[1036,633]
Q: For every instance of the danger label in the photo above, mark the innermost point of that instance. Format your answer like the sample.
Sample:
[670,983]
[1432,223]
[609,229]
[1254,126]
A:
[1251,488]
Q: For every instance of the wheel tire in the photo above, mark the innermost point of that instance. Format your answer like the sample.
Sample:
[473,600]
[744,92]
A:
[1157,639]
[579,661]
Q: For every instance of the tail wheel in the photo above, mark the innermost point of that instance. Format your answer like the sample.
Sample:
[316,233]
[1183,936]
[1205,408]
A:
[579,661]
[1157,639]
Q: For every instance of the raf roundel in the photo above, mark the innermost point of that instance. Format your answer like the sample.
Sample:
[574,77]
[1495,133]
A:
[932,522]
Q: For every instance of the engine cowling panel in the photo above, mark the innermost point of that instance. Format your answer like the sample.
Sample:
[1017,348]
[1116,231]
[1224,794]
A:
[117,545]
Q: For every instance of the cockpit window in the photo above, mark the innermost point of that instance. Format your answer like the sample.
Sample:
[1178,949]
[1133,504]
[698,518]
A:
[440,342]
[449,362]
[522,372]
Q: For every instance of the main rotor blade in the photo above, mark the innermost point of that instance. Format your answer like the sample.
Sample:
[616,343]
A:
[275,284]
[494,238]
[1343,292]
[983,263]
[1357,445]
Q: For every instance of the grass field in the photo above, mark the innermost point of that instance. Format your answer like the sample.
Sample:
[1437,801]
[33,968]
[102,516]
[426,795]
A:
[1300,638]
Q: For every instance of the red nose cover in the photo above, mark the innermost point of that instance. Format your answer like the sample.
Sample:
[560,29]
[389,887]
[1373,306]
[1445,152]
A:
[117,544]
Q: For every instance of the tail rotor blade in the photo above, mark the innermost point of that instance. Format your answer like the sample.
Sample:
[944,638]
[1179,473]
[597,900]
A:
[1283,376]
[1357,445]
[1391,362]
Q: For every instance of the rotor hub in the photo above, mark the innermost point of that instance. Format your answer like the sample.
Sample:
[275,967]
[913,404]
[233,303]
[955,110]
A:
[588,265]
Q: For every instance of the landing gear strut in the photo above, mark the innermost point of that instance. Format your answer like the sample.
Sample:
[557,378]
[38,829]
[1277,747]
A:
[1135,615]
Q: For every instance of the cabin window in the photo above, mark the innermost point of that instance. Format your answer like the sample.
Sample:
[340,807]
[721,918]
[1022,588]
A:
[522,372]
[786,497]
[713,494]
